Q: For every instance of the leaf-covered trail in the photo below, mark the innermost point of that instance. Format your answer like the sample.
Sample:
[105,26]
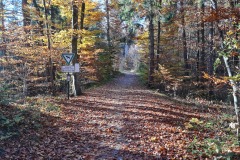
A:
[119,120]
[124,120]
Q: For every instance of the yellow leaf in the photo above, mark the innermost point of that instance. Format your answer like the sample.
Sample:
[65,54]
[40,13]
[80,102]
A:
[230,32]
[188,125]
[237,45]
[196,121]
[153,139]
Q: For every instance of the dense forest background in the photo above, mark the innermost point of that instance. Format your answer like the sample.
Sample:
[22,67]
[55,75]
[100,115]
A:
[187,48]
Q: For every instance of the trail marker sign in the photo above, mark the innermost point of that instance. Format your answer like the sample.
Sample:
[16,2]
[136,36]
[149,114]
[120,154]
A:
[68,57]
[68,69]
[77,67]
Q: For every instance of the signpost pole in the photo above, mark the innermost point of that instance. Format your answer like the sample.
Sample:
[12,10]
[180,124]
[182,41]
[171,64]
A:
[68,84]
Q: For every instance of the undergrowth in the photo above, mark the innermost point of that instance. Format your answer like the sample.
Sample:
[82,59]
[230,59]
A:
[220,141]
[15,119]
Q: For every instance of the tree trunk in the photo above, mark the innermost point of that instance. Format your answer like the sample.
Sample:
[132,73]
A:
[184,39]
[198,55]
[3,46]
[47,24]
[211,56]
[108,25]
[49,47]
[233,4]
[40,22]
[151,46]
[158,44]
[202,57]
[212,50]
[76,86]
[26,15]
[158,39]
[109,43]
[82,20]
[82,15]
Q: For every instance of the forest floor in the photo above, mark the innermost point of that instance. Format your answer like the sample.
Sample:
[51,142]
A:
[119,120]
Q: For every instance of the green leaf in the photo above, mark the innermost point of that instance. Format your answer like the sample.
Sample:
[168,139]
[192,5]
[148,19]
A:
[18,118]
[217,63]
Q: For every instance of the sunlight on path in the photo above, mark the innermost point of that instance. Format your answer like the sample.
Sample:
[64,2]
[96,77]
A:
[128,121]
[112,96]
[121,120]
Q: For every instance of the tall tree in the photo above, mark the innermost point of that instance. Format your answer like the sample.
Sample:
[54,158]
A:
[184,38]
[198,54]
[2,28]
[82,15]
[212,49]
[26,14]
[158,37]
[50,63]
[76,78]
[108,24]
[202,32]
[151,44]
[47,25]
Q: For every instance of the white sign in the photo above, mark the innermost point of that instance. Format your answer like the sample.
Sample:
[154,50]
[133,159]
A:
[68,69]
[68,57]
[77,67]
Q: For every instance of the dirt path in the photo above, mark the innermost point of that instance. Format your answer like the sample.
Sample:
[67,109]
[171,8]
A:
[120,120]
[114,99]
[127,121]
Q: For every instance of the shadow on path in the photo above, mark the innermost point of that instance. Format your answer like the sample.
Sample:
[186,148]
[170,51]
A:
[119,120]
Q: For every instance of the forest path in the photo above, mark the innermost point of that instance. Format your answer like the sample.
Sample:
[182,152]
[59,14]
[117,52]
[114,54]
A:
[119,120]
[125,120]
[114,97]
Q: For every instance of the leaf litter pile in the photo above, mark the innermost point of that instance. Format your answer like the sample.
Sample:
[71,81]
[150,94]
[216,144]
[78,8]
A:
[119,120]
